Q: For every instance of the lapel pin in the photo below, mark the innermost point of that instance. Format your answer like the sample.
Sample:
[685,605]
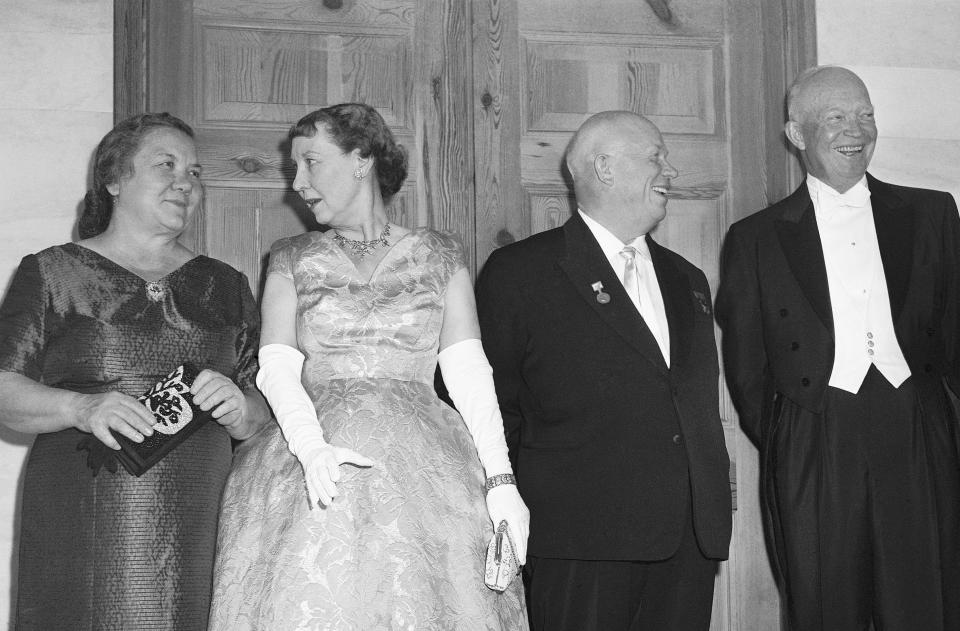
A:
[703,302]
[602,296]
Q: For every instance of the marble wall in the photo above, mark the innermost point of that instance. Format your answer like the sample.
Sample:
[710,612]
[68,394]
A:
[907,54]
[56,102]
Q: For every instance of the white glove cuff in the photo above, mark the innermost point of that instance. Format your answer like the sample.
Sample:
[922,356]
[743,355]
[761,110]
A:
[469,380]
[279,381]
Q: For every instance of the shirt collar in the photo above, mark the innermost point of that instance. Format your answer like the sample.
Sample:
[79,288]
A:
[827,199]
[609,243]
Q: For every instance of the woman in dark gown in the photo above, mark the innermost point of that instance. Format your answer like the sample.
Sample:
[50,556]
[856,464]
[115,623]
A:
[85,328]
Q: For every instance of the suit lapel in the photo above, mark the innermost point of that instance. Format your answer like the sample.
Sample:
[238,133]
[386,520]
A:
[585,264]
[800,242]
[895,234]
[677,301]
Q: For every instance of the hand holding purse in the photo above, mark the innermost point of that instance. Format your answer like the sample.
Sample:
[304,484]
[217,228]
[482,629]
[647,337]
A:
[502,565]
[177,418]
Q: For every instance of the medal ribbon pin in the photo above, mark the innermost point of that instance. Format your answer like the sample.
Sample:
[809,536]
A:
[602,296]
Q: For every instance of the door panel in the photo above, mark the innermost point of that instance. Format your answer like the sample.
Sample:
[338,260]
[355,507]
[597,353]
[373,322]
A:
[565,75]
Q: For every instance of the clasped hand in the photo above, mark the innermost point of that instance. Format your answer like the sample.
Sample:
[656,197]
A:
[100,413]
[213,391]
[504,503]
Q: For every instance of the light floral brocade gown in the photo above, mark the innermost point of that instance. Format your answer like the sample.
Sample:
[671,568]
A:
[403,546]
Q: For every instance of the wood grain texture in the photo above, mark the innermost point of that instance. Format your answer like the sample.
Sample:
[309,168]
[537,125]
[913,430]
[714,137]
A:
[689,17]
[445,114]
[400,13]
[268,76]
[129,59]
[231,228]
[171,62]
[672,81]
[497,125]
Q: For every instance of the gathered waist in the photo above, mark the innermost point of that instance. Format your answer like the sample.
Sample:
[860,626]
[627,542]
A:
[348,379]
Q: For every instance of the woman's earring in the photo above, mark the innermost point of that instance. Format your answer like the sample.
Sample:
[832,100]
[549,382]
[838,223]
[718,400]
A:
[358,174]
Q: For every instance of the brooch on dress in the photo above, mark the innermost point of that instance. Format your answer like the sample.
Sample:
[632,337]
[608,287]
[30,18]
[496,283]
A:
[155,291]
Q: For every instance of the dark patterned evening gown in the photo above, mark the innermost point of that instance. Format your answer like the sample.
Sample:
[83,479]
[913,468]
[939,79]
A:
[106,550]
[403,545]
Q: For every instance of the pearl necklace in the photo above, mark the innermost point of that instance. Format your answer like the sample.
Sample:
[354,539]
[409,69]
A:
[362,248]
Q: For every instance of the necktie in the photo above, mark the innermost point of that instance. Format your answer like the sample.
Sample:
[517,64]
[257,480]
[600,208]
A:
[631,275]
[634,282]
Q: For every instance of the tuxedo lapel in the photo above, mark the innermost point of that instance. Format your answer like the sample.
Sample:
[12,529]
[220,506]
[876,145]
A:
[678,301]
[800,242]
[895,236]
[585,264]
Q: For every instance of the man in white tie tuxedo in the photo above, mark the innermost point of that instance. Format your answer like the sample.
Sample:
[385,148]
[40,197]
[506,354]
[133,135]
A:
[839,309]
[604,357]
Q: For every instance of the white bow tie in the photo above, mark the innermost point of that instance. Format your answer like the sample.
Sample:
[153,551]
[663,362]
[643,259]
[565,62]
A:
[856,197]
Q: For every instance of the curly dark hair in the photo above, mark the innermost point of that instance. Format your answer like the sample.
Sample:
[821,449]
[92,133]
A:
[114,160]
[359,126]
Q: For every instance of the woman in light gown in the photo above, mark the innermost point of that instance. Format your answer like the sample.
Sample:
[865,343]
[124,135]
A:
[372,517]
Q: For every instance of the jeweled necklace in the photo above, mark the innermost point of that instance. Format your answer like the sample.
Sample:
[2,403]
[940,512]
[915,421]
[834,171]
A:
[362,248]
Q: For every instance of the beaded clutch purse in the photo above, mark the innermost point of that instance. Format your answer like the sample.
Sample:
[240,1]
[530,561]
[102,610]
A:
[176,418]
[502,565]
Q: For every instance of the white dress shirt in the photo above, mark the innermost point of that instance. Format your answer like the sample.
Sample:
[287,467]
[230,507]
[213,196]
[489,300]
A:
[862,325]
[649,288]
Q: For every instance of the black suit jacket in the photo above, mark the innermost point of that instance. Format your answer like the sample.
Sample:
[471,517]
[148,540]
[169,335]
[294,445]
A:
[608,443]
[774,301]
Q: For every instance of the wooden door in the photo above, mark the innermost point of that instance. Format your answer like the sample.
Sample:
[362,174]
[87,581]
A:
[485,95]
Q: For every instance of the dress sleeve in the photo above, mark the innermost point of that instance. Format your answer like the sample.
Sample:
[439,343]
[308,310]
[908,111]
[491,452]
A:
[451,253]
[248,339]
[23,318]
[281,258]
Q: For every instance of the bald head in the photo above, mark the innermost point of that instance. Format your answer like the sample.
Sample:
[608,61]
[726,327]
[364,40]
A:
[620,172]
[810,84]
[602,133]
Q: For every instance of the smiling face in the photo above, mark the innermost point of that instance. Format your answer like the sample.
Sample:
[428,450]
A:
[325,176]
[832,124]
[641,174]
[163,189]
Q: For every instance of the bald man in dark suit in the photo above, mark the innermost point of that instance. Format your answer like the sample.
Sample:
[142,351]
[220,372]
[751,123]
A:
[604,357]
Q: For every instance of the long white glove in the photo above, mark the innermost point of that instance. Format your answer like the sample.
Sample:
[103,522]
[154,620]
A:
[469,380]
[279,381]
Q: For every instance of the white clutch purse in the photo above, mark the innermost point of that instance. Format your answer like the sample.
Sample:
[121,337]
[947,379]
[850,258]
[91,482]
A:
[502,565]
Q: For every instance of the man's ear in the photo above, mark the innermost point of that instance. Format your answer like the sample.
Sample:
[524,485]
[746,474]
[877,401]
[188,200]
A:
[795,135]
[603,169]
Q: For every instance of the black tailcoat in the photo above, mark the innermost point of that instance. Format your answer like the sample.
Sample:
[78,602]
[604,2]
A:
[774,301]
